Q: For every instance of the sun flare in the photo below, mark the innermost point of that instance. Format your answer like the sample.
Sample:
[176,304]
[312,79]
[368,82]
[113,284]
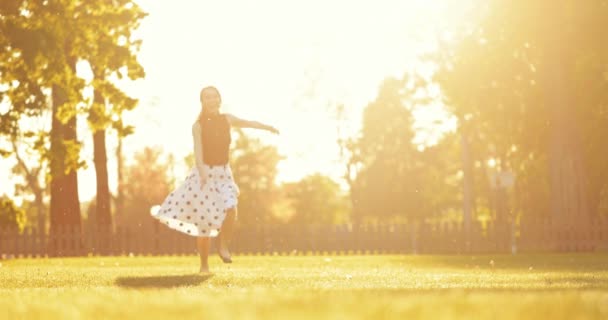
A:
[287,64]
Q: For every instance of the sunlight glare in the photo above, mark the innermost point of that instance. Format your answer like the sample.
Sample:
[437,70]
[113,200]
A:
[284,64]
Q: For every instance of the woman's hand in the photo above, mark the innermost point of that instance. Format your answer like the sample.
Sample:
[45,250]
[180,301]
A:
[272,129]
[202,177]
[203,180]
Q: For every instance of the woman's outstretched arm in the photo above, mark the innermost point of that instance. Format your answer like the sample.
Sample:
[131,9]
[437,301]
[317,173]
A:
[241,123]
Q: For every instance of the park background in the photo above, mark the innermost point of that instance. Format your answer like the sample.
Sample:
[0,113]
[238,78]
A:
[437,159]
[411,127]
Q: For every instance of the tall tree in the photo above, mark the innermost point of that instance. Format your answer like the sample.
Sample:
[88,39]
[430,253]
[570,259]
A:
[255,170]
[531,78]
[32,174]
[111,55]
[12,218]
[389,183]
[64,158]
[149,183]
[38,44]
[122,131]
[42,42]
[22,42]
[317,199]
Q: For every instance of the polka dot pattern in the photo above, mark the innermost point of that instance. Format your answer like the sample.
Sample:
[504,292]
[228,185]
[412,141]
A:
[188,205]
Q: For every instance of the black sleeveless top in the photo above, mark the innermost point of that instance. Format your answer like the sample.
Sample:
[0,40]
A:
[215,139]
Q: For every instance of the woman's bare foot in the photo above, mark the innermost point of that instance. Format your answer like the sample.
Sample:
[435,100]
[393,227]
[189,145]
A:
[203,249]
[224,254]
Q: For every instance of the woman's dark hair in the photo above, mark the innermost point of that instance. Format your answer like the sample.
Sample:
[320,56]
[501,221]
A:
[200,116]
[210,88]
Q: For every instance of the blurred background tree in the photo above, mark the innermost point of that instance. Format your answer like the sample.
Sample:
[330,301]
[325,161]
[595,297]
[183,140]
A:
[317,200]
[389,184]
[42,42]
[150,180]
[254,166]
[528,87]
[526,82]
[12,218]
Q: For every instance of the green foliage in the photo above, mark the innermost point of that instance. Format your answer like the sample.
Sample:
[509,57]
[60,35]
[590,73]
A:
[112,53]
[255,169]
[40,44]
[189,160]
[32,214]
[66,156]
[11,217]
[529,89]
[149,182]
[391,181]
[41,41]
[317,199]
[441,185]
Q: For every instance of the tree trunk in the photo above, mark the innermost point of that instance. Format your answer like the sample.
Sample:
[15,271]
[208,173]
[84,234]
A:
[100,158]
[569,200]
[120,188]
[65,203]
[41,211]
[102,212]
[467,169]
[31,177]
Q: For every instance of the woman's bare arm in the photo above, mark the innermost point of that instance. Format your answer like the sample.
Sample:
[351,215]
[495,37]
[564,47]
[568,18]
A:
[242,123]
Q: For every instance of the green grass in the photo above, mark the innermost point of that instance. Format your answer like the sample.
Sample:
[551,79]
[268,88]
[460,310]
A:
[573,286]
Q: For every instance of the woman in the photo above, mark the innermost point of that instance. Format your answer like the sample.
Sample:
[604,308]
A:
[205,204]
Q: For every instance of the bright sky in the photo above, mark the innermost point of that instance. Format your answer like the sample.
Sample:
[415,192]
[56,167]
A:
[284,63]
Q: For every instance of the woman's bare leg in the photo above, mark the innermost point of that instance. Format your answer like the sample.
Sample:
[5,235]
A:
[226,233]
[203,250]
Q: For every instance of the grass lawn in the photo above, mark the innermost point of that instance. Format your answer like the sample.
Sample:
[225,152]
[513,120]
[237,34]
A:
[556,286]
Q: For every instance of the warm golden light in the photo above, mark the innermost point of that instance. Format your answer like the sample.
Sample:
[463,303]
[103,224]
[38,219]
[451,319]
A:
[284,64]
[385,151]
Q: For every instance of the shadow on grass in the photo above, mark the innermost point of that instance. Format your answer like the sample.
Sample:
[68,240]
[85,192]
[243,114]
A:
[159,282]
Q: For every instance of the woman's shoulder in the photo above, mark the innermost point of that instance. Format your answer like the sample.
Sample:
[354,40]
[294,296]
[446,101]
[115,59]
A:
[196,126]
[226,117]
[230,118]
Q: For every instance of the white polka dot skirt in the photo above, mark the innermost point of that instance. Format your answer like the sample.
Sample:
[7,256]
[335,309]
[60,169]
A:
[200,212]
